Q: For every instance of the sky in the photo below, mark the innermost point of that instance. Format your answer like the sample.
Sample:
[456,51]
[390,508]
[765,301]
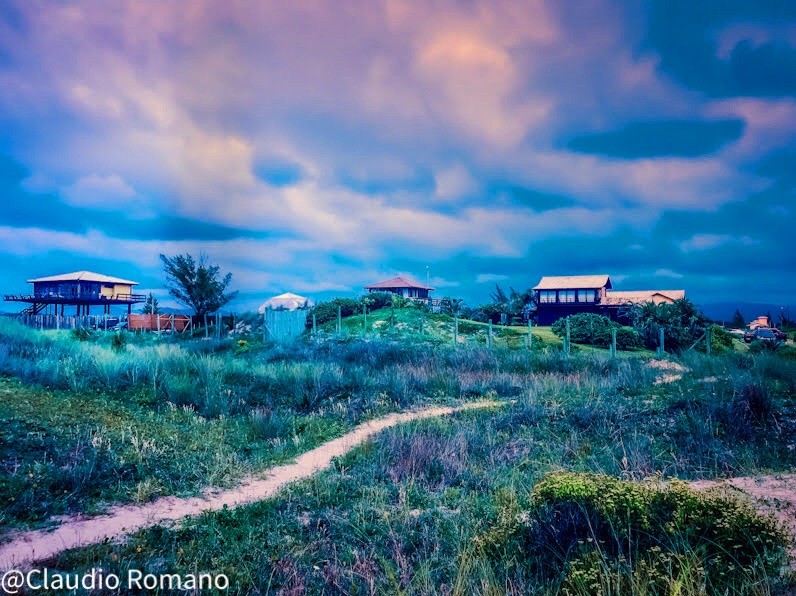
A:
[316,147]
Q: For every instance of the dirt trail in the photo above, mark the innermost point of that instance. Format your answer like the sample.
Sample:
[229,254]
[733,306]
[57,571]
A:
[30,547]
[771,494]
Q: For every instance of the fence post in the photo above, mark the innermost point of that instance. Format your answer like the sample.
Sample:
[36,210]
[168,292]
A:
[708,333]
[339,320]
[455,331]
[530,334]
[613,343]
[207,331]
[364,320]
[489,336]
[661,344]
[566,341]
[172,323]
[314,326]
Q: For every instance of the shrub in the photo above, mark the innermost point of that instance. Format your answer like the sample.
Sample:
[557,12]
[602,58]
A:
[326,312]
[681,321]
[573,518]
[377,300]
[119,341]
[595,330]
[720,341]
[627,338]
[81,334]
[761,347]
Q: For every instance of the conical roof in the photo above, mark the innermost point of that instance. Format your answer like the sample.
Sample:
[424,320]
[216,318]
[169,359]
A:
[286,301]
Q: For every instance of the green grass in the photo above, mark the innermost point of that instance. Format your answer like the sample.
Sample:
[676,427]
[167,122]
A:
[409,511]
[88,422]
[63,452]
[418,325]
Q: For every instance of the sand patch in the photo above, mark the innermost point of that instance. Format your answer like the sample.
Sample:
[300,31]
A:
[670,371]
[770,494]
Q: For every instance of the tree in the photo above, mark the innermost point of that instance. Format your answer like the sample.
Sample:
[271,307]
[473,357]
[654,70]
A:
[516,306]
[197,285]
[452,306]
[738,321]
[151,305]
[681,321]
[499,296]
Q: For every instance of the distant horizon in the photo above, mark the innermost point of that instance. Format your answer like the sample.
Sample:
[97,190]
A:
[316,149]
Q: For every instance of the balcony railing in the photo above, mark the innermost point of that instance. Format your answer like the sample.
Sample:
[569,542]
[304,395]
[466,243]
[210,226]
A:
[49,297]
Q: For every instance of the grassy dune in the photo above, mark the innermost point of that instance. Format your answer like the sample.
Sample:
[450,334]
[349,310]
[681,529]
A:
[442,506]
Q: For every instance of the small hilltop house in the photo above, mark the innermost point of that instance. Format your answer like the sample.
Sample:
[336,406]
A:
[402,285]
[81,289]
[560,296]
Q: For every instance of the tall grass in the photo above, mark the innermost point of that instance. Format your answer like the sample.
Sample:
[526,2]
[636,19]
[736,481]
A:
[400,514]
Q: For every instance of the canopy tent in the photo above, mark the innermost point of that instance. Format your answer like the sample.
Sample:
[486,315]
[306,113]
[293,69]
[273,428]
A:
[286,301]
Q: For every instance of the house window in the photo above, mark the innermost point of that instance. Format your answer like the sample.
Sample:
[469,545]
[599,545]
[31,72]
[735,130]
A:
[547,296]
[585,295]
[567,296]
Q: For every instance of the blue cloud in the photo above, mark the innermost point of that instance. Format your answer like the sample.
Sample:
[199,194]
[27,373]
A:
[279,174]
[527,197]
[683,34]
[661,138]
[20,208]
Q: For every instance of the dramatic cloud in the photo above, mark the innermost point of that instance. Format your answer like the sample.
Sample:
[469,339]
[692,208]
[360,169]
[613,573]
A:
[319,146]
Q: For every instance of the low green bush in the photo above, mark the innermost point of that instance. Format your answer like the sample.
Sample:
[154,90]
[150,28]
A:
[578,525]
[720,341]
[327,311]
[593,329]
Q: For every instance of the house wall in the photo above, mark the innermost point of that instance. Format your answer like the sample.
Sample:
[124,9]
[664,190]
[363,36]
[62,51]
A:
[405,292]
[82,289]
[122,289]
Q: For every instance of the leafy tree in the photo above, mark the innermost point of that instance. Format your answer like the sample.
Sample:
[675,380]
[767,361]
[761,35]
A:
[151,305]
[681,321]
[737,320]
[514,305]
[498,296]
[197,285]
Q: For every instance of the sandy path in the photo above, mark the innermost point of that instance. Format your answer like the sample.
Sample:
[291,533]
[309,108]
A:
[771,494]
[30,547]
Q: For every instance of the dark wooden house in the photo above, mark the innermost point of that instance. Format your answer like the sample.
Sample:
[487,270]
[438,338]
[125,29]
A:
[562,296]
[81,289]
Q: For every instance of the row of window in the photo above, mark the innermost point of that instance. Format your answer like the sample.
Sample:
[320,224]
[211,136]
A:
[549,296]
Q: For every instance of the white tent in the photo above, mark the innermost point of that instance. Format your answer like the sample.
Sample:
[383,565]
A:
[285,301]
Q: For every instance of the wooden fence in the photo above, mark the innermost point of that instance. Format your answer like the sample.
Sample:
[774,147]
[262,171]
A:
[160,323]
[68,322]
[281,325]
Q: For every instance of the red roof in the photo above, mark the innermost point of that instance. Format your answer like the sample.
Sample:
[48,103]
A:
[401,281]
